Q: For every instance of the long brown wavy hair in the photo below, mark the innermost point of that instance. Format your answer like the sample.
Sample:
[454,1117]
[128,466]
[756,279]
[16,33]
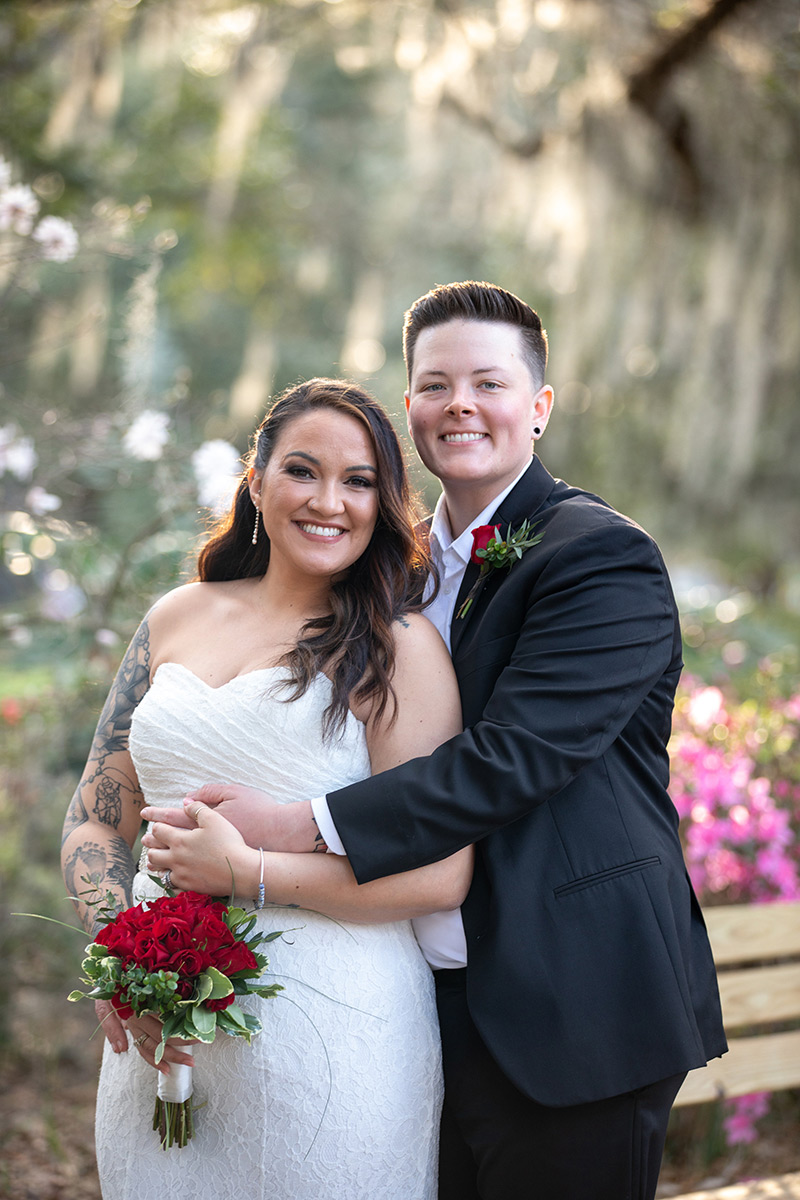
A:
[353,645]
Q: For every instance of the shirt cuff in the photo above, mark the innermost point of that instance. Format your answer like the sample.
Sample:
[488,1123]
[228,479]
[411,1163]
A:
[322,815]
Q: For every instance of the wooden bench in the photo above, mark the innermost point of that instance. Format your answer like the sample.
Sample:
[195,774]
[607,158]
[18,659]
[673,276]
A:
[756,992]
[782,1187]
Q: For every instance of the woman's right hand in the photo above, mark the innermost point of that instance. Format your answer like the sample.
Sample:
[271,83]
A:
[144,1027]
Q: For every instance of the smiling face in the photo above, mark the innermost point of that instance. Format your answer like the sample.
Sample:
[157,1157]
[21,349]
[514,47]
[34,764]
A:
[472,404]
[318,494]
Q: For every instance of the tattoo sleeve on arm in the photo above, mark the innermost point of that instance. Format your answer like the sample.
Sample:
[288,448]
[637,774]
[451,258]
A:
[108,792]
[110,783]
[131,683]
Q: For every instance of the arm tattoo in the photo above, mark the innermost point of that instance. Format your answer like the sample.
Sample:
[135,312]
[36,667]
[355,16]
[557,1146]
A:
[109,868]
[111,785]
[320,846]
[130,685]
[76,815]
[108,804]
[107,790]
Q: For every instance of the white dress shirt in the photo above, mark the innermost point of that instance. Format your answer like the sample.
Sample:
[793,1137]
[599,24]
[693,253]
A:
[441,934]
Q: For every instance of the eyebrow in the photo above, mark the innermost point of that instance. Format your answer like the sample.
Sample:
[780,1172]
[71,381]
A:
[310,458]
[477,371]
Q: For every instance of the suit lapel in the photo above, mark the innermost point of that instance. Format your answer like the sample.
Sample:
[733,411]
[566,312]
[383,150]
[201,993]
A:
[522,502]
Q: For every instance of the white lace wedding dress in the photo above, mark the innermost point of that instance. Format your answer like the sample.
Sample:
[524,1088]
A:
[338,1098]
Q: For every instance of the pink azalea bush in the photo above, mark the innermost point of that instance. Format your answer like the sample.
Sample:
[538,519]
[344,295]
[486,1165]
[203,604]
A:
[736,786]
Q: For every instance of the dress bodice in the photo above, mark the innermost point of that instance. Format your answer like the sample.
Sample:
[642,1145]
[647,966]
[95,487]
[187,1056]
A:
[186,733]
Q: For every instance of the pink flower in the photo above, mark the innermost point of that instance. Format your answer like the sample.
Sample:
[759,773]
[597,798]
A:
[744,1111]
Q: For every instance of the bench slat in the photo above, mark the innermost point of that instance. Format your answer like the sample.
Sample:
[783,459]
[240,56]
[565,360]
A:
[760,1064]
[761,995]
[744,932]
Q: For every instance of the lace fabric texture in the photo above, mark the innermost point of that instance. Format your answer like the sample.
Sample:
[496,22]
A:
[339,1096]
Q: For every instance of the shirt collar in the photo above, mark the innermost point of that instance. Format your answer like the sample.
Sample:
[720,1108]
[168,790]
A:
[441,535]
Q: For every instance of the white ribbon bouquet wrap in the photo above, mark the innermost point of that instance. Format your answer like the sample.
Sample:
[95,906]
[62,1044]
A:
[173,1116]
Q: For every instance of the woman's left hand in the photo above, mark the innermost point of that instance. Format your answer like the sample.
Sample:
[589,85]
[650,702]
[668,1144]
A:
[212,858]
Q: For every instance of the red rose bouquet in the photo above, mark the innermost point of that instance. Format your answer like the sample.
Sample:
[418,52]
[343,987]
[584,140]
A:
[184,959]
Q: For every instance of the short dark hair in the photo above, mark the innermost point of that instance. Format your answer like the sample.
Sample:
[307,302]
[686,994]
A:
[471,301]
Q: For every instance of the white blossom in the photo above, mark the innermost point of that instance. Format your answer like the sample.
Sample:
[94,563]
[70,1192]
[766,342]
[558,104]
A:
[217,469]
[147,436]
[18,208]
[58,238]
[17,454]
[41,502]
[61,599]
[5,173]
[21,636]
[106,637]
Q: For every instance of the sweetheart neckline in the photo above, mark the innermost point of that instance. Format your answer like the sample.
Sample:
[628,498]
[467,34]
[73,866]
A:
[212,687]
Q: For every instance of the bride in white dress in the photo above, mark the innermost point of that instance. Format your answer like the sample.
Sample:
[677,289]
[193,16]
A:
[295,661]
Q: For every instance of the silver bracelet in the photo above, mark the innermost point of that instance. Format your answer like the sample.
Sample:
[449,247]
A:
[261,898]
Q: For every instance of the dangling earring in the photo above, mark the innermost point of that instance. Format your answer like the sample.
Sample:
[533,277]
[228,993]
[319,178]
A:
[254,538]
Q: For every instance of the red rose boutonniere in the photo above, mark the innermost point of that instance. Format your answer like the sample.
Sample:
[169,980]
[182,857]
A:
[493,551]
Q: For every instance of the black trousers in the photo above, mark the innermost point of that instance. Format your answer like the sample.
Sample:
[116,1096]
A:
[498,1144]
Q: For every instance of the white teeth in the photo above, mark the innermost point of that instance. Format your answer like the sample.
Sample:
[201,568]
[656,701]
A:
[463,437]
[322,530]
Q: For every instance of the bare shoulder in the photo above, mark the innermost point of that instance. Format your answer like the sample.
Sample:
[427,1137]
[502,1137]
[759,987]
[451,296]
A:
[427,707]
[186,611]
[415,636]
[175,606]
[421,657]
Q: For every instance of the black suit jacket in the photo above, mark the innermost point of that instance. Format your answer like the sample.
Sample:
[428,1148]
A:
[590,972]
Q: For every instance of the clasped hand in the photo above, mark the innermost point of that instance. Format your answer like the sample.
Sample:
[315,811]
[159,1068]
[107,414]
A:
[199,841]
[248,810]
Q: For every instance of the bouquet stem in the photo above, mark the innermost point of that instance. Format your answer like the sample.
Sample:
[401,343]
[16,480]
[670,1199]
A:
[174,1122]
[173,1117]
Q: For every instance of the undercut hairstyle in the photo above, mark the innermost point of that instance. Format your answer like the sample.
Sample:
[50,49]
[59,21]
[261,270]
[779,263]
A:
[471,301]
[354,644]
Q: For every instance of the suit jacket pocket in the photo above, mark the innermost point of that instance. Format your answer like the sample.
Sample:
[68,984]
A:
[578,885]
